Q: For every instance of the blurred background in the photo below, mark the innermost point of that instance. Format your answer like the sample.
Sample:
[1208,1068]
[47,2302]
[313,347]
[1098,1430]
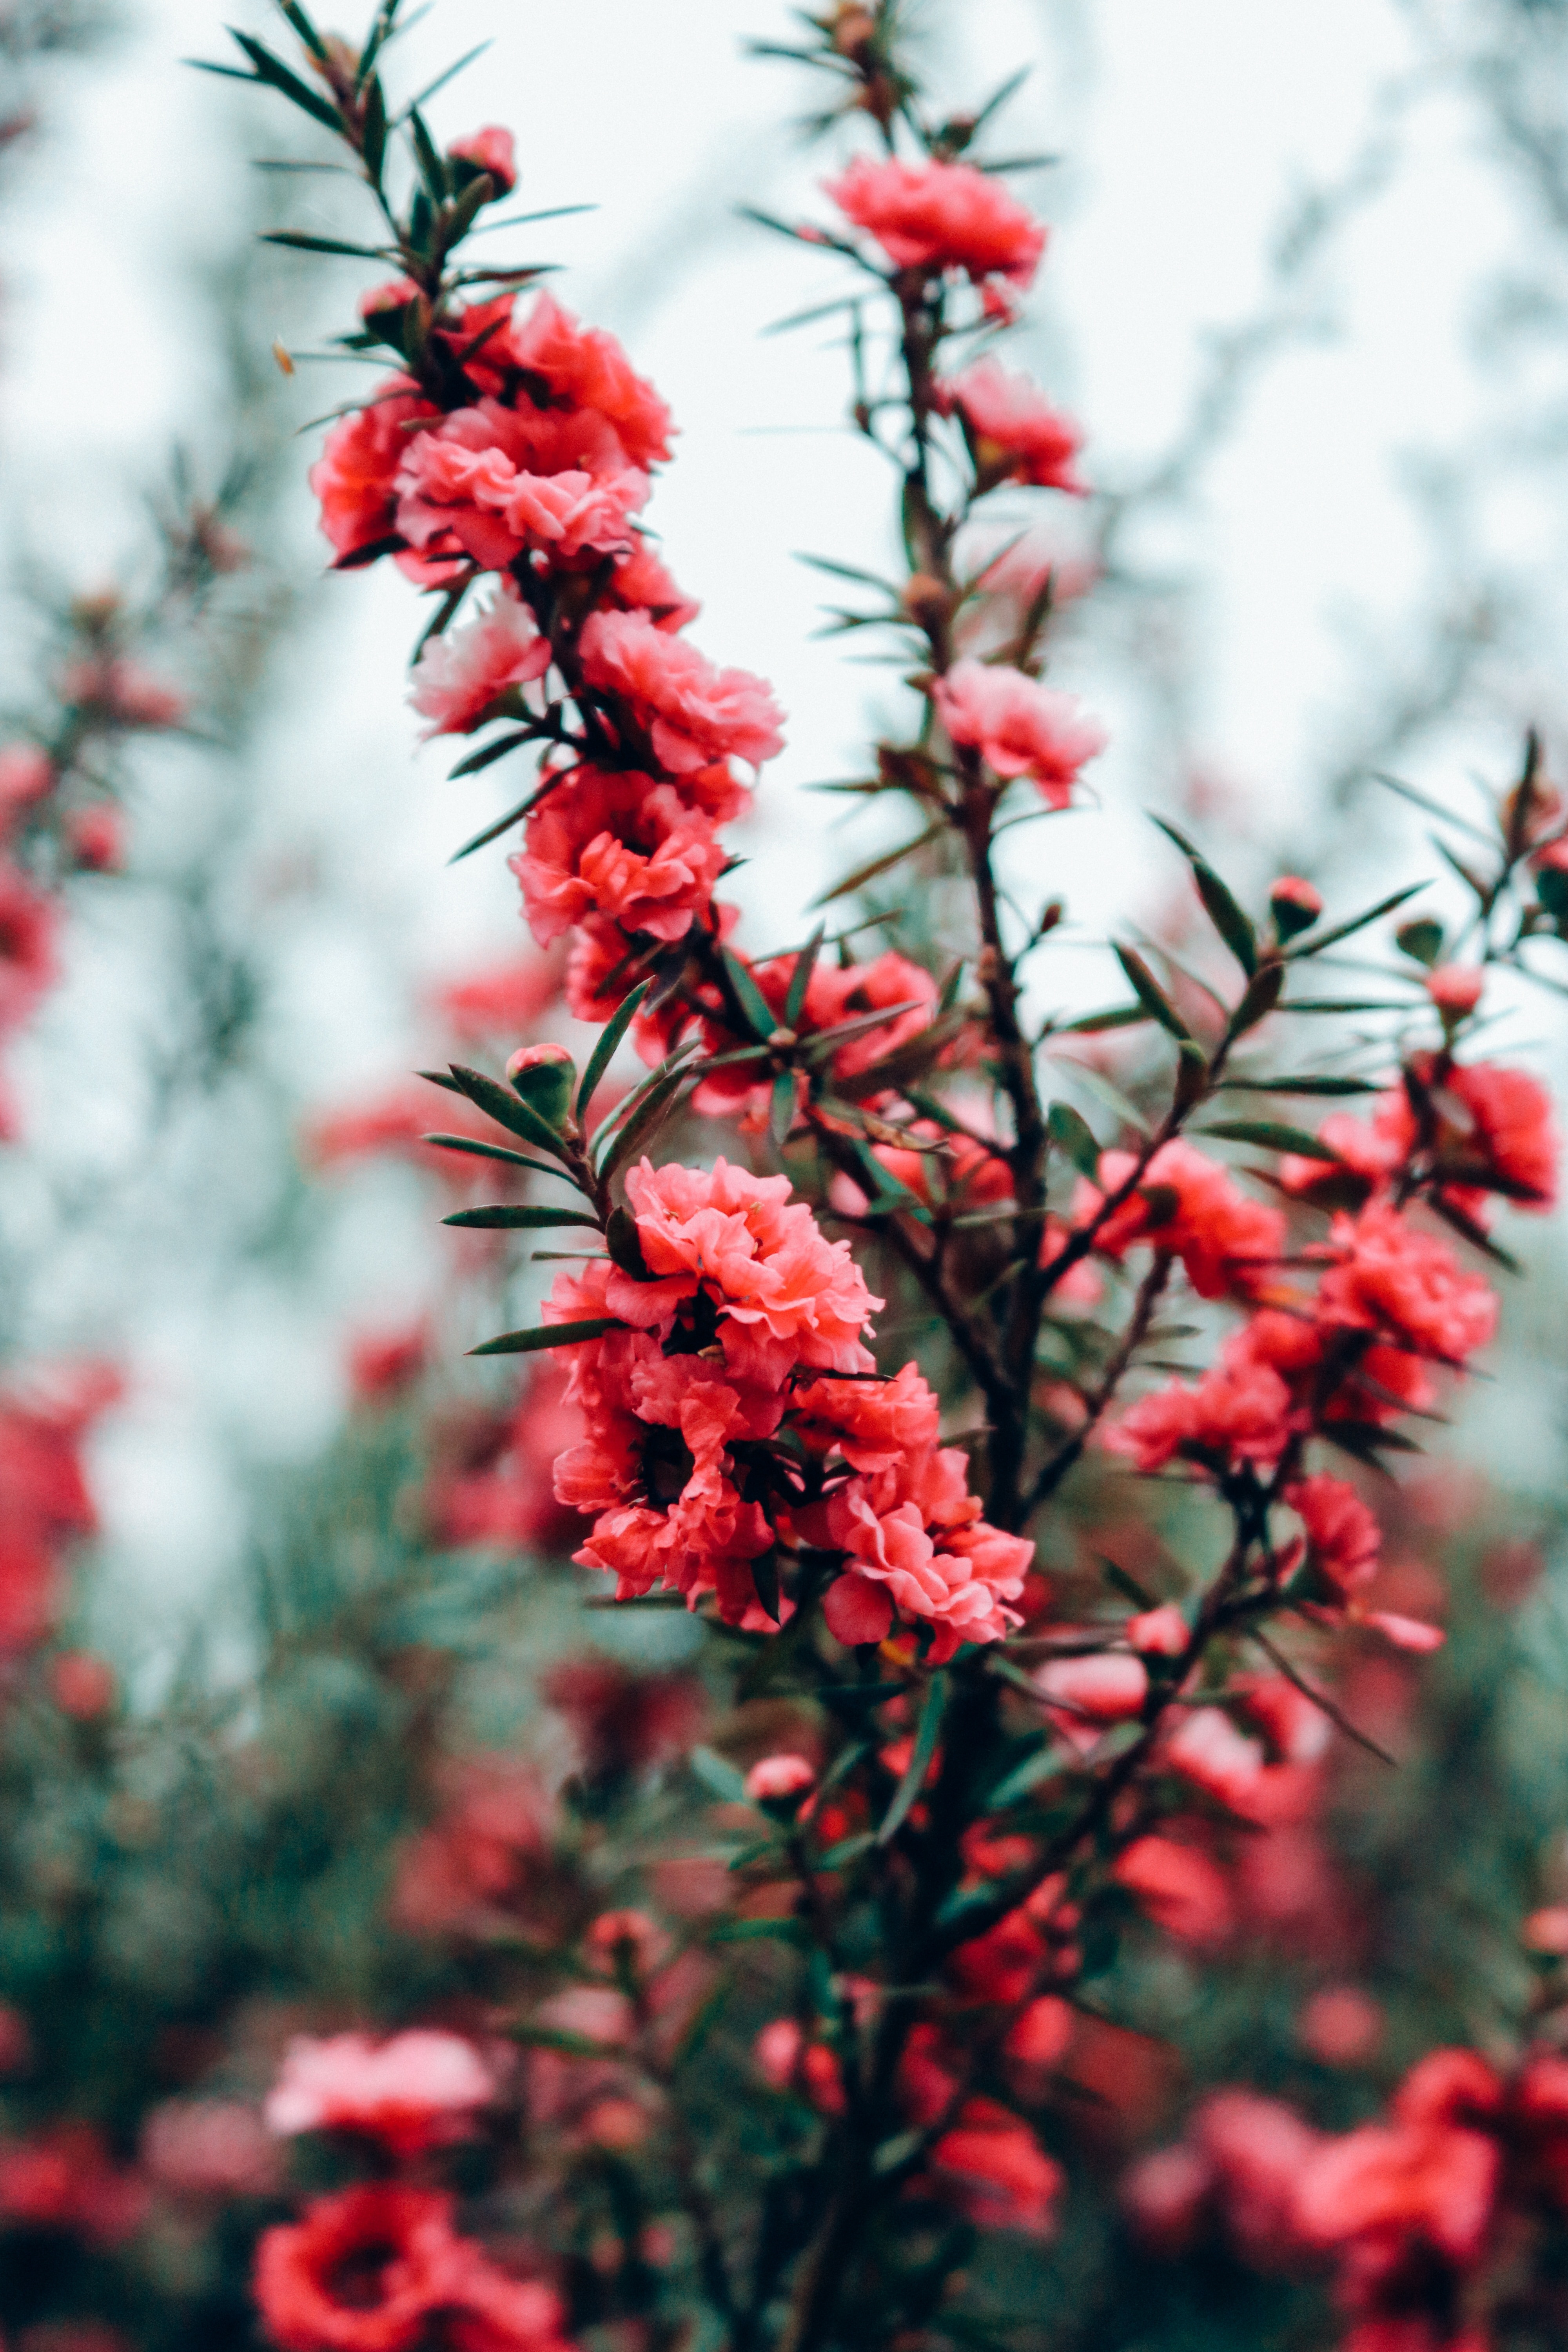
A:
[1308,288]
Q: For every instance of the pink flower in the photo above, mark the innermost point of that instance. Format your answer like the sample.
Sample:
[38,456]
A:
[779,1776]
[355,475]
[918,1547]
[585,368]
[1404,1285]
[209,2147]
[1019,727]
[941,216]
[497,483]
[491,149]
[1178,1888]
[618,845]
[1208,1750]
[1240,1412]
[1513,1133]
[1427,2181]
[459,674]
[27,927]
[1014,432]
[1343,1536]
[785,1296]
[1161,1632]
[26,777]
[1224,1240]
[694,714]
[871,1425]
[411,2092]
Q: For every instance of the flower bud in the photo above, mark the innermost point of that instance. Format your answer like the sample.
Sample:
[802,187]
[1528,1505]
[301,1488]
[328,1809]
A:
[490,149]
[1456,989]
[1295,905]
[779,1780]
[82,1685]
[545,1078]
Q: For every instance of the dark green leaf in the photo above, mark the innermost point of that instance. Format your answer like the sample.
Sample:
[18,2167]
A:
[1116,1016]
[758,1931]
[1043,1764]
[501,825]
[920,1756]
[493,1151]
[650,1115]
[548,1335]
[507,1219]
[1262,994]
[272,70]
[1148,991]
[800,978]
[432,169]
[1421,941]
[1270,1134]
[373,140]
[868,872]
[1222,912]
[447,73]
[300,243]
[1071,1133]
[718,1775]
[496,748]
[780,1108]
[755,1011]
[625,1244]
[1314,942]
[1300,1086]
[508,1110]
[610,1037]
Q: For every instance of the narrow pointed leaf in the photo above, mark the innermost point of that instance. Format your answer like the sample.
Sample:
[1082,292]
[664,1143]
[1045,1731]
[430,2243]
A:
[548,1335]
[1072,1133]
[477,1151]
[504,1220]
[919,1765]
[1148,991]
[1315,941]
[649,1113]
[800,978]
[758,1014]
[273,70]
[883,865]
[298,242]
[610,1037]
[508,1110]
[1222,912]
[1271,1135]
[1300,1086]
[780,1108]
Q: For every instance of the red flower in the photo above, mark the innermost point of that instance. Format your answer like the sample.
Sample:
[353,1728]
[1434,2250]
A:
[941,216]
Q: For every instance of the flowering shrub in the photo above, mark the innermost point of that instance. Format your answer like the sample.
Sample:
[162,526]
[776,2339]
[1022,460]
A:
[1019,1487]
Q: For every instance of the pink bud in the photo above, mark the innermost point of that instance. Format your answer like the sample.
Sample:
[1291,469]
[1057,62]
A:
[1341,2025]
[538,1057]
[1103,1688]
[82,1685]
[779,1776]
[1547,1931]
[1405,1633]
[1456,988]
[490,149]
[1159,1632]
[1295,905]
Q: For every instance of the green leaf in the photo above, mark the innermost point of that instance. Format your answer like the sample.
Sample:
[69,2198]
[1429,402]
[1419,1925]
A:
[780,1108]
[625,1244]
[1300,1085]
[1044,1765]
[546,1087]
[649,1113]
[949,988]
[373,137]
[303,27]
[1313,943]
[1422,940]
[610,1037]
[800,978]
[1221,909]
[758,1931]
[432,169]
[1262,994]
[508,1220]
[272,70]
[755,1011]
[300,243]
[718,1775]
[548,1335]
[494,1151]
[1270,1135]
[883,865]
[1115,1016]
[501,825]
[508,1110]
[1071,1133]
[919,1765]
[1148,991]
[459,220]
[497,748]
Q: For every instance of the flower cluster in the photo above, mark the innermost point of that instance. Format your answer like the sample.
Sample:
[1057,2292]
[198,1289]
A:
[736,1418]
